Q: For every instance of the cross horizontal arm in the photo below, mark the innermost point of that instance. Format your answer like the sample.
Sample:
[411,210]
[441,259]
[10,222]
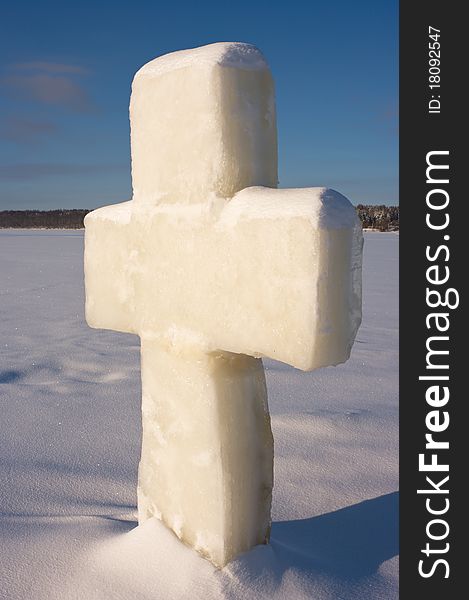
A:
[271,273]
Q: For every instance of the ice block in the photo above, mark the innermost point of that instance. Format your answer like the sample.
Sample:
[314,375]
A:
[214,269]
[203,122]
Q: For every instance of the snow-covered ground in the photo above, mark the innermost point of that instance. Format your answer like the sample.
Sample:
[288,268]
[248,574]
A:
[70,437]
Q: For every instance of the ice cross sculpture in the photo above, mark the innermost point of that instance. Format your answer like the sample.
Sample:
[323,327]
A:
[214,268]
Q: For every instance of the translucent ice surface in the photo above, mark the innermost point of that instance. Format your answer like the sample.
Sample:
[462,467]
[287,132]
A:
[214,268]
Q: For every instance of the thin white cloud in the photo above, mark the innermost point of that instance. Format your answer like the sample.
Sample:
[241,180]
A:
[49,67]
[27,130]
[31,171]
[52,84]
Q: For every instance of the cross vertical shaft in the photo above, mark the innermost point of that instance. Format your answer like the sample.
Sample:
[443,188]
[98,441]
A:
[207,455]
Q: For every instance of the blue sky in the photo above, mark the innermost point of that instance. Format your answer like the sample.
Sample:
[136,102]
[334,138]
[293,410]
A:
[66,70]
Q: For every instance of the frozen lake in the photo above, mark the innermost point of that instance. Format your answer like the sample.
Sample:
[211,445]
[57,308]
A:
[70,441]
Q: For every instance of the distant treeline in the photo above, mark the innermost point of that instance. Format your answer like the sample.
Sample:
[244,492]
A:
[383,218]
[47,219]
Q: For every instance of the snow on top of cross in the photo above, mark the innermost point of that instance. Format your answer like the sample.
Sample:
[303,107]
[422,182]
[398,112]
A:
[118,213]
[327,208]
[227,54]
